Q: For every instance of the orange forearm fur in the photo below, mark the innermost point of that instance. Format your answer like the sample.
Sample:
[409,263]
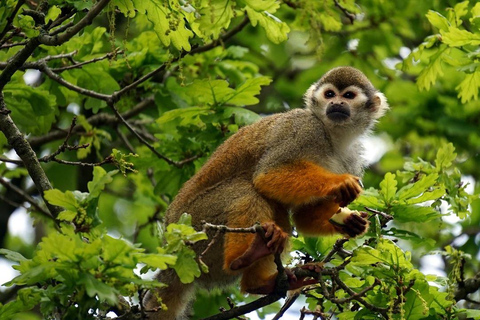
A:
[297,183]
[313,219]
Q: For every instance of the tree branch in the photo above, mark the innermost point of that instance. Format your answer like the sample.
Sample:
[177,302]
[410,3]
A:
[18,142]
[26,197]
[95,120]
[466,287]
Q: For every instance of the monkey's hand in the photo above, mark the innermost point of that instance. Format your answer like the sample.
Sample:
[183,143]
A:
[346,189]
[262,245]
[351,223]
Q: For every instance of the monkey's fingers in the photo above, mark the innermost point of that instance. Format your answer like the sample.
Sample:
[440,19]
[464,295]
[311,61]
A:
[351,223]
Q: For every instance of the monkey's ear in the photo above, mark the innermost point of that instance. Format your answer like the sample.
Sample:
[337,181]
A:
[380,105]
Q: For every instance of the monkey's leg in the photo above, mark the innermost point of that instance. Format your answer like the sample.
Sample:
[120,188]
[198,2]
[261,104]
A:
[260,246]
[327,217]
[240,249]
[302,182]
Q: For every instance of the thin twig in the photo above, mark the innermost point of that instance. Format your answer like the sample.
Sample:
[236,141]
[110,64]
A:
[26,197]
[95,120]
[63,146]
[10,20]
[288,303]
[348,14]
[80,64]
[116,95]
[59,39]
[140,138]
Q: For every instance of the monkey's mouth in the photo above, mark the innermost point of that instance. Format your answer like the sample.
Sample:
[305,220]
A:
[338,113]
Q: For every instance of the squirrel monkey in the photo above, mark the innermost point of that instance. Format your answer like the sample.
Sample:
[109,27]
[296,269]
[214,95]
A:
[304,163]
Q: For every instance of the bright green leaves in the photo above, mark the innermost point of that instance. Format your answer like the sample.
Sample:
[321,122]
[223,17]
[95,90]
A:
[399,280]
[206,19]
[177,236]
[100,268]
[168,22]
[81,208]
[457,49]
[437,20]
[215,16]
[388,187]
[218,93]
[468,88]
[413,195]
[275,29]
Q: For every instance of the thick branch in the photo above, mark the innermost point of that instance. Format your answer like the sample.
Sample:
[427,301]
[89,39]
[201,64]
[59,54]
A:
[466,287]
[18,142]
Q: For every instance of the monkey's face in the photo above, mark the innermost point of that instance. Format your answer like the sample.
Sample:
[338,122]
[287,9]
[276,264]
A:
[348,107]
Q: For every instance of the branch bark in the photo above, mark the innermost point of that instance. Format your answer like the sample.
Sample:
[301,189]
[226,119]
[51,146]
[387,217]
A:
[18,142]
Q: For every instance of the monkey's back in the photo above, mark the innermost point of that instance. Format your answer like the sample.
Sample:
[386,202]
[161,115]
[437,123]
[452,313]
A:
[237,156]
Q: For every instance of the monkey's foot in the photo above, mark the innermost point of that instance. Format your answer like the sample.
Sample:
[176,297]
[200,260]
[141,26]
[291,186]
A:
[273,242]
[351,223]
[302,276]
[297,277]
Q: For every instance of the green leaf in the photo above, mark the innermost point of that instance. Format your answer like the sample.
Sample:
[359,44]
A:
[169,25]
[468,88]
[215,17]
[28,26]
[96,288]
[473,314]
[432,71]
[388,187]
[12,255]
[66,199]
[455,37]
[437,20]
[33,109]
[411,213]
[414,190]
[186,266]
[100,179]
[158,260]
[242,116]
[275,29]
[67,215]
[445,157]
[52,14]
[245,94]
[126,7]
[460,9]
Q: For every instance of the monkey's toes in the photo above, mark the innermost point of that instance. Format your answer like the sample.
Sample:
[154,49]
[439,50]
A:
[275,237]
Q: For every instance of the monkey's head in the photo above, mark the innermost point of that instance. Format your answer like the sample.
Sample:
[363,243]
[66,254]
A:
[345,98]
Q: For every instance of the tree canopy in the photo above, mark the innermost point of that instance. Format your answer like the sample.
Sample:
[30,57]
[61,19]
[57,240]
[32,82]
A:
[107,107]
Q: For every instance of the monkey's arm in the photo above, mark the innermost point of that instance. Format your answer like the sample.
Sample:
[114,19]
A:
[301,182]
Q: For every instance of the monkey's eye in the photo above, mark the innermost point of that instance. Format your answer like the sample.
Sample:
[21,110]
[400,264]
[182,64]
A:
[329,94]
[349,95]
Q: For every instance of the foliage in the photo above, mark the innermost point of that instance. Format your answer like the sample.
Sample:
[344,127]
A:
[150,88]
